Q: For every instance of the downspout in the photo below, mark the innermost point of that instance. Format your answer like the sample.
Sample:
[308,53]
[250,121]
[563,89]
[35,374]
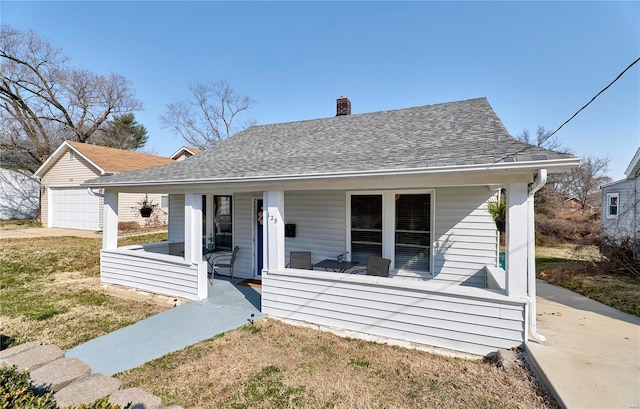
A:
[540,180]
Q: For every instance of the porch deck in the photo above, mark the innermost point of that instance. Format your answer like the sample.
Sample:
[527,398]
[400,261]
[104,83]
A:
[229,306]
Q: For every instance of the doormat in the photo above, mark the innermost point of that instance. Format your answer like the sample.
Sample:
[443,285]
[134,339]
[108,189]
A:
[251,283]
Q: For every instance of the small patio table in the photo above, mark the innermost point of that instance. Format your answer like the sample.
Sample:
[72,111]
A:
[335,265]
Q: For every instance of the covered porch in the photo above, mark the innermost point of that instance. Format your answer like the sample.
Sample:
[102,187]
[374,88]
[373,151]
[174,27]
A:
[450,293]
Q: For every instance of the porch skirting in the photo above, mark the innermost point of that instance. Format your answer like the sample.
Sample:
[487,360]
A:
[406,312]
[157,273]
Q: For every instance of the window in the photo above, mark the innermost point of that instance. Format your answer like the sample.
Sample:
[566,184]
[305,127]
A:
[394,225]
[413,232]
[72,155]
[223,221]
[613,205]
[366,227]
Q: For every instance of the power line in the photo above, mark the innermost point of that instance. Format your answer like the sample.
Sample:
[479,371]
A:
[587,104]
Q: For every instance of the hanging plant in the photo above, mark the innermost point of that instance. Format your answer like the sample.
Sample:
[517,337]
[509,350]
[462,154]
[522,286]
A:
[498,211]
[146,206]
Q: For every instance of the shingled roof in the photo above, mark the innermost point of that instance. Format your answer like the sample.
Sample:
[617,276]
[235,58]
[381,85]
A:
[106,160]
[453,134]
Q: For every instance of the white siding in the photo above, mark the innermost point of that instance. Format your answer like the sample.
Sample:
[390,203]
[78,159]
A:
[158,273]
[628,221]
[475,321]
[66,172]
[176,218]
[320,218]
[465,238]
[19,194]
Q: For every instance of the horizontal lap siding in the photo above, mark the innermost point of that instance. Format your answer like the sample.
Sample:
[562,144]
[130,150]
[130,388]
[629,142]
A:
[448,321]
[465,238]
[319,217]
[624,225]
[128,208]
[176,218]
[158,276]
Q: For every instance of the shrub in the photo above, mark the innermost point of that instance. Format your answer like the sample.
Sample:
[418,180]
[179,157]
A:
[128,226]
[621,255]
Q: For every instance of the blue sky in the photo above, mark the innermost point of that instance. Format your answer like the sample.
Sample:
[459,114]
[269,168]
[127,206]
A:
[536,62]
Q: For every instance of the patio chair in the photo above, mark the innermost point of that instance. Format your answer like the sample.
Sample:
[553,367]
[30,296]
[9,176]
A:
[176,249]
[376,266]
[224,261]
[301,260]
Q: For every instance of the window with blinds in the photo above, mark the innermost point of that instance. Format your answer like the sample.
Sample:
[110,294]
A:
[366,227]
[412,231]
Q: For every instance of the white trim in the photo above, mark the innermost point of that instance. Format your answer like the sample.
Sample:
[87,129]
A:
[608,198]
[562,164]
[58,154]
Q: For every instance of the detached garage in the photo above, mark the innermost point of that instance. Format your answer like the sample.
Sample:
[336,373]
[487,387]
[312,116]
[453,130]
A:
[74,209]
[66,204]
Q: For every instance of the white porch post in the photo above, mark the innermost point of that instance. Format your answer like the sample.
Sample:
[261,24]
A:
[274,223]
[193,239]
[110,221]
[516,245]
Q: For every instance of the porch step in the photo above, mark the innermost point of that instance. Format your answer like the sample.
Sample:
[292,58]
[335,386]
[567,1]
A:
[70,379]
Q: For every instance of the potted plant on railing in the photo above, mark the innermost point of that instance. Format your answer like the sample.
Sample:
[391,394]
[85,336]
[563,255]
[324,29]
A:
[498,211]
[146,206]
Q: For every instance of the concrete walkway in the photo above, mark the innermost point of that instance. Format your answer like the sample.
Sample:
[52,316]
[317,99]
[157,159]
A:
[591,357]
[34,232]
[227,307]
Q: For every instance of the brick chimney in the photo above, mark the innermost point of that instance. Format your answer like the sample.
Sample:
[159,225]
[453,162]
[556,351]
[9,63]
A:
[343,106]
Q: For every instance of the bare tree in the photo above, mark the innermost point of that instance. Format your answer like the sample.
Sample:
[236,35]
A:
[542,140]
[585,181]
[44,101]
[210,116]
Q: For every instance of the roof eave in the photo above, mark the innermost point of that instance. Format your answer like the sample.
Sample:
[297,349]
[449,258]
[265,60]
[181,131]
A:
[554,165]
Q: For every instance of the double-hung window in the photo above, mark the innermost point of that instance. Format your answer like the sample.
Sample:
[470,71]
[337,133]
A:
[613,205]
[394,225]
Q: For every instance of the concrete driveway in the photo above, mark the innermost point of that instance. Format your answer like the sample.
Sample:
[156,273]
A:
[47,232]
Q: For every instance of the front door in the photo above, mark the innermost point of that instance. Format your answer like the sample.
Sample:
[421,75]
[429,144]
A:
[258,238]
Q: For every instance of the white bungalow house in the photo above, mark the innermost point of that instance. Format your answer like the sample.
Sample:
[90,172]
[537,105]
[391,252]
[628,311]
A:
[67,204]
[410,185]
[620,216]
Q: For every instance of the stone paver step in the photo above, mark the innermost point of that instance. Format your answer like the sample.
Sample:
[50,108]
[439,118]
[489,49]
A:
[59,373]
[34,358]
[71,380]
[86,390]
[138,398]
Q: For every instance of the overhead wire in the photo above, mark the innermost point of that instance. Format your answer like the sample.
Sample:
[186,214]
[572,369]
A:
[592,99]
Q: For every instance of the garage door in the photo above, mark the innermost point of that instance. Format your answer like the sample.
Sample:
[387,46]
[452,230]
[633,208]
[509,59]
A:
[75,209]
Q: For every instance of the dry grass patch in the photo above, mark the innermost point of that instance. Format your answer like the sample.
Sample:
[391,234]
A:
[579,269]
[50,291]
[275,365]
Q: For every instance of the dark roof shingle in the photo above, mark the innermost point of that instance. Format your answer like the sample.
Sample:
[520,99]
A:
[448,134]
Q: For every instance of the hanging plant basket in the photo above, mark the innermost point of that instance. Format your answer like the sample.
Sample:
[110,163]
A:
[146,211]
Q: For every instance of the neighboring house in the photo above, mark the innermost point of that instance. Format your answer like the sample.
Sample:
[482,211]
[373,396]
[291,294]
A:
[19,194]
[65,203]
[620,214]
[572,207]
[410,185]
[184,153]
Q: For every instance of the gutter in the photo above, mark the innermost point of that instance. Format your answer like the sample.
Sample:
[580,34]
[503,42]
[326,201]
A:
[540,180]
[502,166]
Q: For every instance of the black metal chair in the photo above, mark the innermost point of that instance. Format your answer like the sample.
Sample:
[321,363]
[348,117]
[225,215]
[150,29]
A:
[376,266]
[301,260]
[224,261]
